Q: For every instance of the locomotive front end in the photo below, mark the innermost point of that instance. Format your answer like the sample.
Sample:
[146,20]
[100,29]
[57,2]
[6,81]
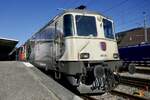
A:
[91,53]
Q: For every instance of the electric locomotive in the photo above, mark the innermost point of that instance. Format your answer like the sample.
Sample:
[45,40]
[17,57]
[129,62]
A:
[79,44]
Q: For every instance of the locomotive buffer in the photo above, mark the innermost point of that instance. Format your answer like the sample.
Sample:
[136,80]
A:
[23,81]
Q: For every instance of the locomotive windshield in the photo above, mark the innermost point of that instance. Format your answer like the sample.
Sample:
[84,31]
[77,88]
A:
[86,25]
[108,29]
[68,25]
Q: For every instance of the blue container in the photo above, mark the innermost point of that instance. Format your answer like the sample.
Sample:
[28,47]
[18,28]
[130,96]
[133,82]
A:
[135,53]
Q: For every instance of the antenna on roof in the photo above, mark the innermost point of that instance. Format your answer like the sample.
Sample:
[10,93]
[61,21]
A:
[61,9]
[81,7]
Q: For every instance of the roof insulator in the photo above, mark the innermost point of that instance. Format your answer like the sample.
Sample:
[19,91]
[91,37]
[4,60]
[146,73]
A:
[81,7]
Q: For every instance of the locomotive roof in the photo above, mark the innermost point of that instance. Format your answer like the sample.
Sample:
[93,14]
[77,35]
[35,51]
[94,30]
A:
[77,11]
[71,11]
[81,11]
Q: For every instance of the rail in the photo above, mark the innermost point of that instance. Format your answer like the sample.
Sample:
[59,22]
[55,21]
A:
[135,82]
[87,97]
[125,95]
[143,70]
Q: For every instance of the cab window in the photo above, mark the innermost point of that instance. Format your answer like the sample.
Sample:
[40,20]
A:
[108,29]
[68,25]
[86,25]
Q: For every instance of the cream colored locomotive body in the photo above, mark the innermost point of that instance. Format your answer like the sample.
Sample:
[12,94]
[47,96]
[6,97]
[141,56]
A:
[79,44]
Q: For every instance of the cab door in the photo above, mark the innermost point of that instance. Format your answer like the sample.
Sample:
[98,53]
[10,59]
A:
[58,41]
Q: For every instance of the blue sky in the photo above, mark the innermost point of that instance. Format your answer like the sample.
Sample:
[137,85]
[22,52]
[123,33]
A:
[19,19]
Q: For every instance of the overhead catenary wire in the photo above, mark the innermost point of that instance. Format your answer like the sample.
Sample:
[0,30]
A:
[90,2]
[67,3]
[131,23]
[115,6]
[134,23]
[131,10]
[131,20]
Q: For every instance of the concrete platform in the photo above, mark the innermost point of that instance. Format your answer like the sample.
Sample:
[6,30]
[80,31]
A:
[23,81]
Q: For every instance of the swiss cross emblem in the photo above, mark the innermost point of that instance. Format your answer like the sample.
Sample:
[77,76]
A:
[103,46]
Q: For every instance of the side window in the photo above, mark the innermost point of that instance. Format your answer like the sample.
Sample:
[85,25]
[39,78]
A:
[108,29]
[56,35]
[49,32]
[68,25]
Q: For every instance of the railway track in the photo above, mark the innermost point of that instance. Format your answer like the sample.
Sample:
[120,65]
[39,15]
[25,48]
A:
[127,96]
[135,82]
[129,81]
[117,93]
[143,69]
[86,97]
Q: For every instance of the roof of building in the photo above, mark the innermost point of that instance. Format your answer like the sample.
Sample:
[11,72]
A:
[6,45]
[132,37]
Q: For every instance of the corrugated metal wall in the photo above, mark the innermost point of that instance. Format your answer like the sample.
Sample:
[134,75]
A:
[132,37]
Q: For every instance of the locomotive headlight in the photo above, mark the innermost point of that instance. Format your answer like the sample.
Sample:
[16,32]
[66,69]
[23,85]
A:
[84,55]
[116,55]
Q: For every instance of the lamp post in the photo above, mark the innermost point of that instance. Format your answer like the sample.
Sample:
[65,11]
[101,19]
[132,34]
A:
[145,29]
